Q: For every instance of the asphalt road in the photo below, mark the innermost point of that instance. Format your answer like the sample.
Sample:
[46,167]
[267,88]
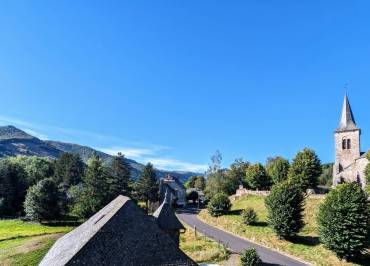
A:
[234,243]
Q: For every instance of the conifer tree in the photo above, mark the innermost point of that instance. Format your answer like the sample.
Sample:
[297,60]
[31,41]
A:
[147,187]
[119,176]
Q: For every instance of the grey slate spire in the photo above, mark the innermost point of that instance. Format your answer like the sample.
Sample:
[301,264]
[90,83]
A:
[347,120]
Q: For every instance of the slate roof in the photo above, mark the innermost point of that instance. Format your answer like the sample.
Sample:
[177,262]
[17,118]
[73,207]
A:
[347,120]
[119,234]
[165,216]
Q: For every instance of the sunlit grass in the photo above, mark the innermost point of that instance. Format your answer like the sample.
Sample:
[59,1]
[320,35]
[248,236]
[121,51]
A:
[306,247]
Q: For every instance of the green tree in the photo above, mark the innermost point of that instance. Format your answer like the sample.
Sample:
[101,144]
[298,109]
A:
[236,173]
[344,221]
[193,196]
[41,202]
[190,182]
[36,168]
[219,204]
[200,183]
[257,178]
[305,169]
[277,168]
[285,206]
[326,177]
[95,194]
[119,177]
[69,169]
[367,169]
[147,187]
[12,187]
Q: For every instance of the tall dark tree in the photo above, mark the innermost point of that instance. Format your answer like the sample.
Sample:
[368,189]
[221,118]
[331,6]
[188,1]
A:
[344,221]
[257,178]
[119,176]
[147,186]
[42,201]
[69,169]
[12,187]
[277,168]
[95,194]
[236,173]
[285,206]
[305,169]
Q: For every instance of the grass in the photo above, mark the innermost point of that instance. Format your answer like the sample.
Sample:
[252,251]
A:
[202,249]
[25,243]
[306,246]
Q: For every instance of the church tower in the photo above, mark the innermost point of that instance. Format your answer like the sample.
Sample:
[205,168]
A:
[347,143]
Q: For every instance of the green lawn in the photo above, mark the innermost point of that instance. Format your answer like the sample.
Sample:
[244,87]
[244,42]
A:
[202,249]
[306,246]
[25,243]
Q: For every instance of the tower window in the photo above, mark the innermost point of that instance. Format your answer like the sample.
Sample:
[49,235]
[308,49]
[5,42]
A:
[346,144]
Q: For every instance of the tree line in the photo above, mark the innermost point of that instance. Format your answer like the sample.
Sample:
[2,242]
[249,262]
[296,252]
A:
[42,189]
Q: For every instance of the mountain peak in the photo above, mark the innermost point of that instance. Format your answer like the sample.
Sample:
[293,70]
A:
[11,132]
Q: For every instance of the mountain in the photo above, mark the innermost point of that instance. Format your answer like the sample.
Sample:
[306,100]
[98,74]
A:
[14,141]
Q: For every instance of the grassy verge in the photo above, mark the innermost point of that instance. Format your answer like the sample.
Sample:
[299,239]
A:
[306,246]
[25,243]
[202,249]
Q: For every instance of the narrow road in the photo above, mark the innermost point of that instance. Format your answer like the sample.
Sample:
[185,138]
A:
[234,243]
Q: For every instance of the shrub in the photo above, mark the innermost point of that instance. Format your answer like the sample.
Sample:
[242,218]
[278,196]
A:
[42,201]
[305,169]
[249,257]
[249,216]
[285,206]
[344,221]
[218,205]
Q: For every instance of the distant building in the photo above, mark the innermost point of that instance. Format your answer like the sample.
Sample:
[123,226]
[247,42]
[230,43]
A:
[350,162]
[175,188]
[119,234]
[167,220]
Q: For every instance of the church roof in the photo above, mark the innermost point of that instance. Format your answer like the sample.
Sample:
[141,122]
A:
[119,234]
[347,120]
[165,216]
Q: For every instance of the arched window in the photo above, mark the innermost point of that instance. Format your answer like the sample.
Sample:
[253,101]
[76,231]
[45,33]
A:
[344,144]
[348,144]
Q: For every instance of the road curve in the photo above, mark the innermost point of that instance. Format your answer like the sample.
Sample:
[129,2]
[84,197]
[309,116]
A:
[234,243]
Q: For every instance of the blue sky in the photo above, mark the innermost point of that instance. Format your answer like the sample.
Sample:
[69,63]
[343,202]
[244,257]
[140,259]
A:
[173,81]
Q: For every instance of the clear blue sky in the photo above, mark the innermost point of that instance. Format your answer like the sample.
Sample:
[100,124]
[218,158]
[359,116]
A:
[172,81]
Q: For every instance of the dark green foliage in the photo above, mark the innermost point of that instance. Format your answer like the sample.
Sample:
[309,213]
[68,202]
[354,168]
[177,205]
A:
[190,182]
[193,196]
[42,201]
[277,168]
[119,177]
[326,177]
[12,188]
[36,168]
[200,183]
[219,204]
[285,206]
[95,193]
[249,216]
[236,173]
[217,183]
[69,169]
[147,187]
[257,178]
[344,221]
[367,169]
[305,169]
[249,257]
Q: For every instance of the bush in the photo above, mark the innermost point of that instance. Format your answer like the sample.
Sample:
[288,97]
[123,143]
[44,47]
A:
[249,216]
[218,205]
[249,257]
[344,221]
[305,169]
[42,201]
[285,206]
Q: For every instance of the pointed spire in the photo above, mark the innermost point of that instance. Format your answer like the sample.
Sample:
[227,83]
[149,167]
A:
[347,121]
